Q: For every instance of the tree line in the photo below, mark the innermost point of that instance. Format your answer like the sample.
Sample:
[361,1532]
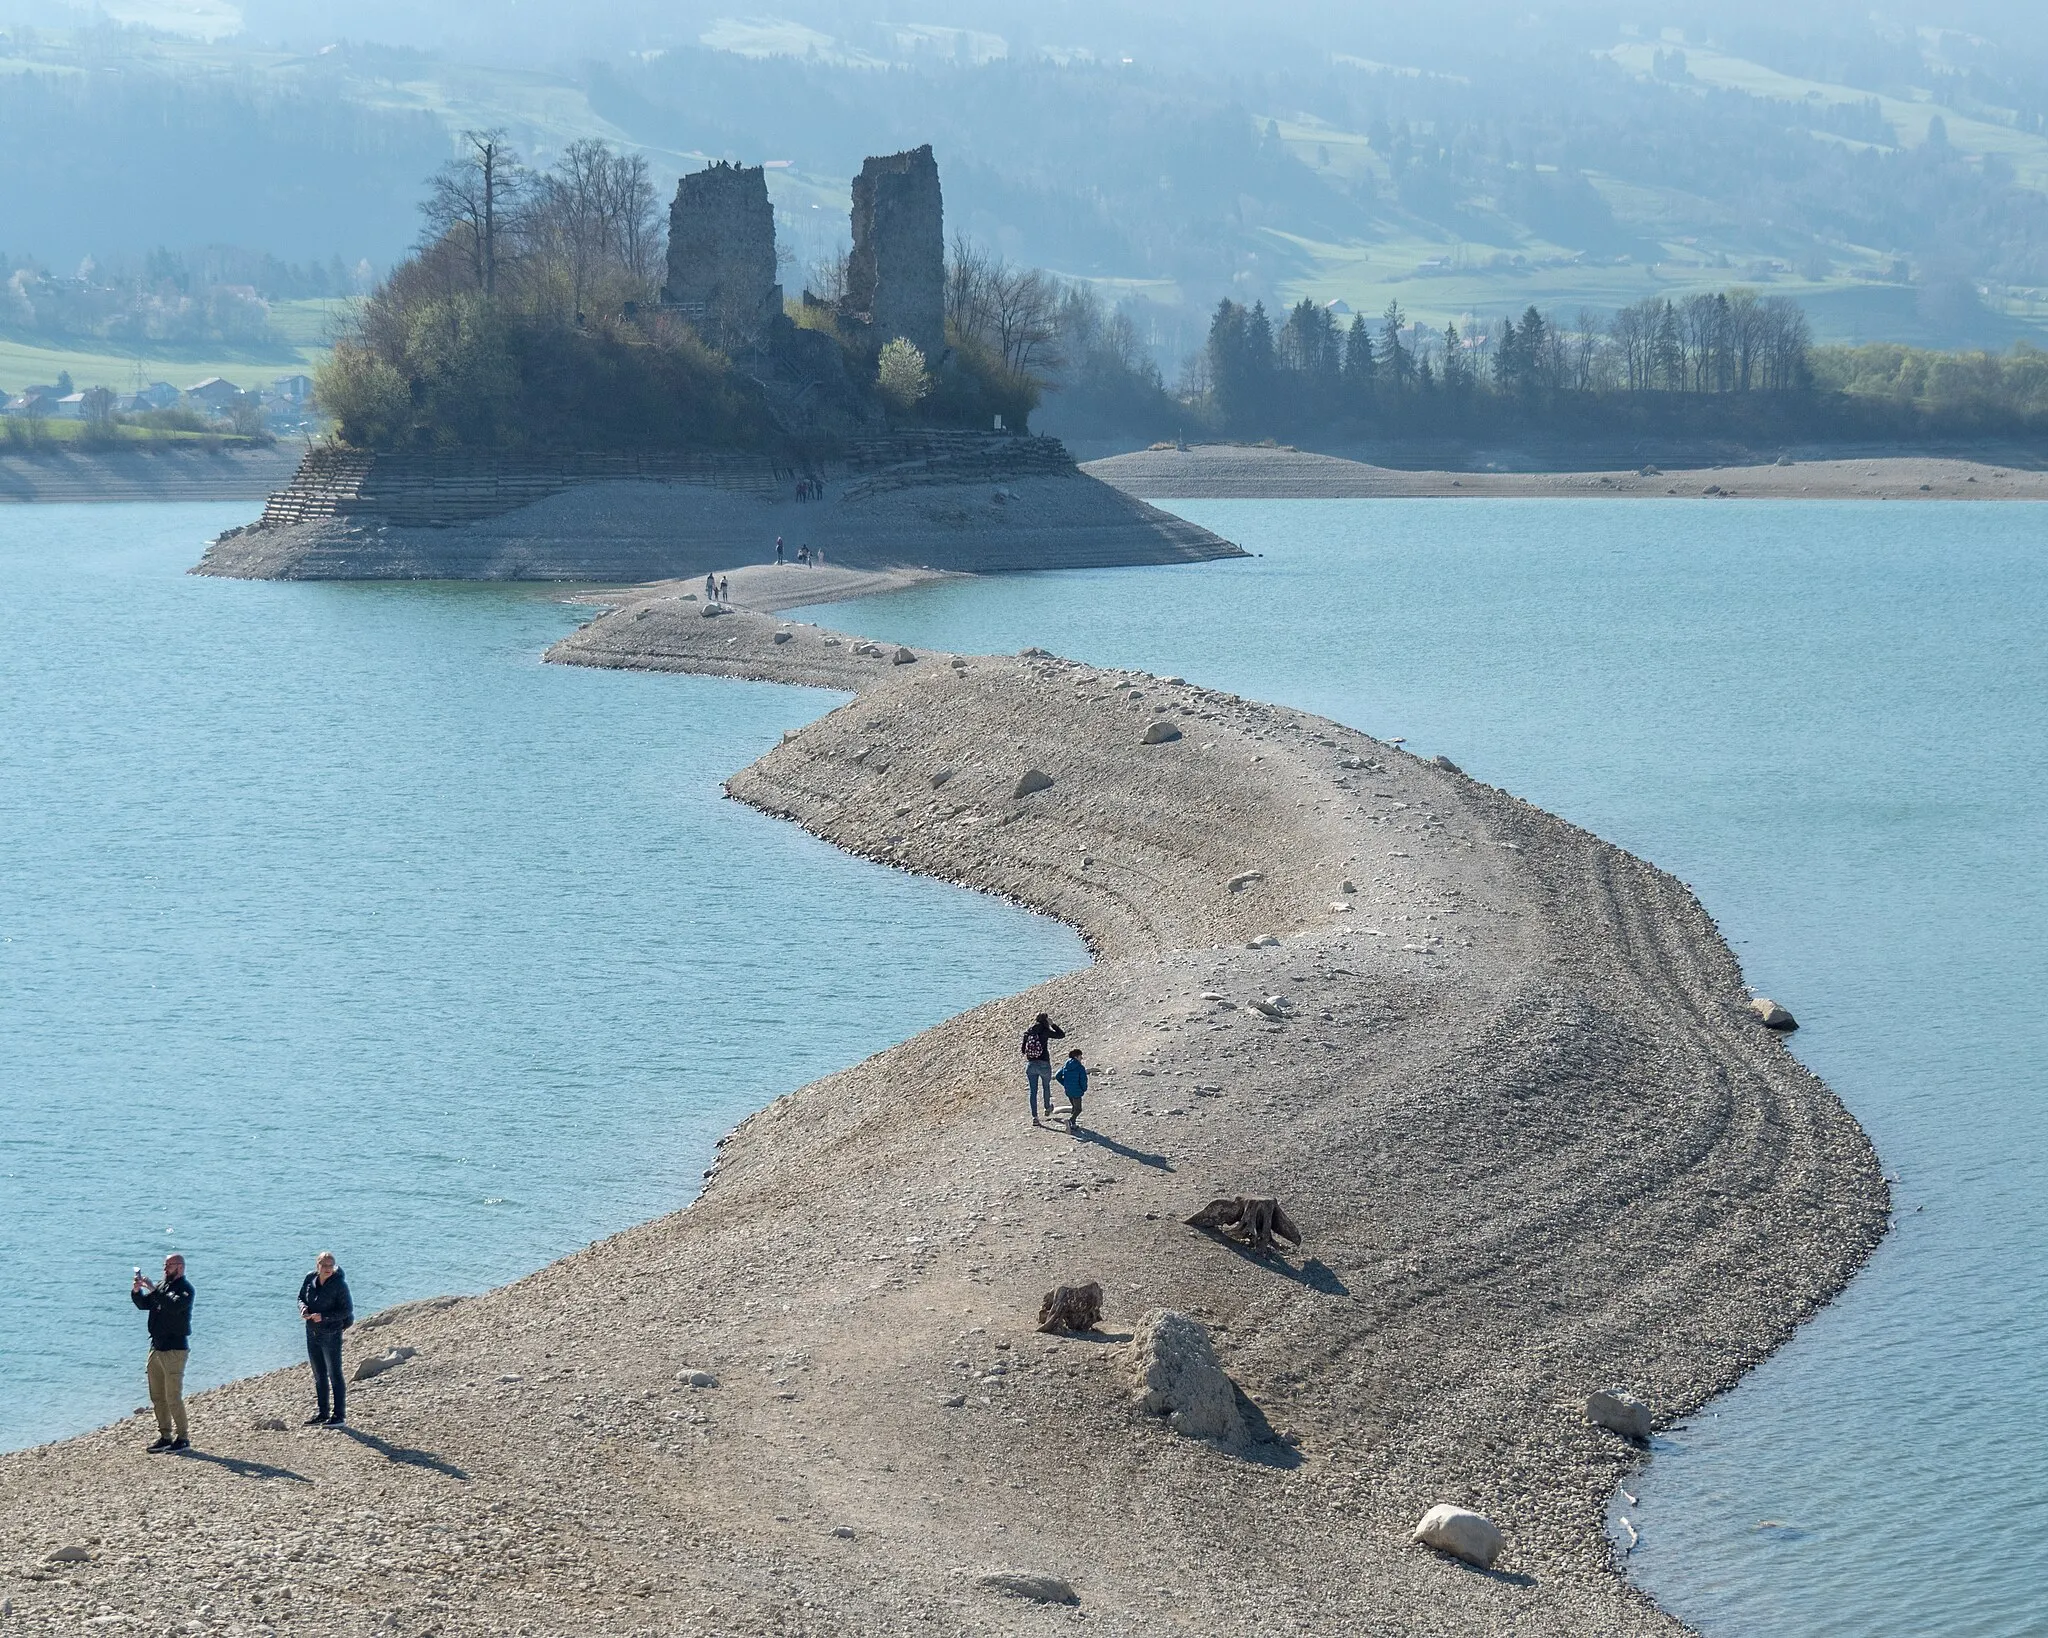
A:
[1312,370]
[1731,364]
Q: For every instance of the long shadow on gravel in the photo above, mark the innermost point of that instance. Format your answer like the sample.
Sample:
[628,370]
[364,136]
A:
[244,1469]
[1315,1274]
[1263,1446]
[1156,1162]
[404,1457]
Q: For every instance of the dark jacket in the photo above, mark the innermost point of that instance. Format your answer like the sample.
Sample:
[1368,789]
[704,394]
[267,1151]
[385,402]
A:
[169,1308]
[330,1301]
[1074,1077]
[1035,1039]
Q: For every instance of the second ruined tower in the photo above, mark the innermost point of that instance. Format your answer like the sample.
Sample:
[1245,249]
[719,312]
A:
[896,274]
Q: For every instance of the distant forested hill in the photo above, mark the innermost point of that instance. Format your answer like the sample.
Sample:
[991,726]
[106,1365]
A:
[1468,160]
[118,157]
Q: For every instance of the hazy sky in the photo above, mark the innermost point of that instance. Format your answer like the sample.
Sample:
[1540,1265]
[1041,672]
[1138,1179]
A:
[1211,35]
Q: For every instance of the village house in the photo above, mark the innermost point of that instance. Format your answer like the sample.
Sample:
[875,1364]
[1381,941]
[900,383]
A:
[157,395]
[33,402]
[215,395]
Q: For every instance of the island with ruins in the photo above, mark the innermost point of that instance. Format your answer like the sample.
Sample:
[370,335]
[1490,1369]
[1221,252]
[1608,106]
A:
[497,425]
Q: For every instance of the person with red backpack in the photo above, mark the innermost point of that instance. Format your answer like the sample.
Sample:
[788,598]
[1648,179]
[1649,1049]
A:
[1038,1062]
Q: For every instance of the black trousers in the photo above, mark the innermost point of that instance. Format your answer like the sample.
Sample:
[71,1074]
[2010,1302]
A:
[323,1348]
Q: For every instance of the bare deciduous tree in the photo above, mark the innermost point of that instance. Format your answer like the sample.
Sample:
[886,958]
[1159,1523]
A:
[1012,311]
[469,198]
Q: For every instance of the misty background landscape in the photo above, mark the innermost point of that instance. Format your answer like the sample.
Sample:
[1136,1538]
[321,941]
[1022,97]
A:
[195,186]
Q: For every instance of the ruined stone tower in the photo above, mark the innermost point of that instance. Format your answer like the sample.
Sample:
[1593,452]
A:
[721,253]
[896,275]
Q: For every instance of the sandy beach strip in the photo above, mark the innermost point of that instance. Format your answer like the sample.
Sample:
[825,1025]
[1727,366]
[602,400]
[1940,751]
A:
[1258,472]
[1510,1090]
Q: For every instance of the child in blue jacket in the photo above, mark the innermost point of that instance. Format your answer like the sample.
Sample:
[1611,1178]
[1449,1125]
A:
[1073,1076]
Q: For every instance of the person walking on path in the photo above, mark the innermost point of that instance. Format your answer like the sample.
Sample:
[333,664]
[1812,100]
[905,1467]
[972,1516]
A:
[168,1304]
[325,1306]
[1073,1076]
[724,589]
[1038,1062]
[778,548]
[710,588]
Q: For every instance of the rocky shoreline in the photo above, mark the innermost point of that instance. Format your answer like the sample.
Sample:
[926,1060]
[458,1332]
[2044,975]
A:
[168,471]
[973,502]
[1503,1075]
[1261,472]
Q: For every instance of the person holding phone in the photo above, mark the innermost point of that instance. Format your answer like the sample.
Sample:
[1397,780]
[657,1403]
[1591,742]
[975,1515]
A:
[168,1303]
[325,1306]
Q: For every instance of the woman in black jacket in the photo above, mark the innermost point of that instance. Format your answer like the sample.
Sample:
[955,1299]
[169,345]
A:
[324,1304]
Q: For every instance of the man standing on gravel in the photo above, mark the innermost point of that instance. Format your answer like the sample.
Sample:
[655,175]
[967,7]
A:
[1038,1062]
[324,1303]
[169,1307]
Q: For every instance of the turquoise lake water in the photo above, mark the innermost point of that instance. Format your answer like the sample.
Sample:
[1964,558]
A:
[330,917]
[1832,720]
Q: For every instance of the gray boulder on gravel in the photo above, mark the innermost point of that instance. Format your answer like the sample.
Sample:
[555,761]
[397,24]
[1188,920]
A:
[1619,1412]
[1771,1015]
[1161,733]
[1462,1533]
[1034,779]
[1174,1373]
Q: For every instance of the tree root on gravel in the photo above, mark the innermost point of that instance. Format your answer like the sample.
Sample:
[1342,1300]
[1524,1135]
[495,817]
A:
[1071,1308]
[1250,1220]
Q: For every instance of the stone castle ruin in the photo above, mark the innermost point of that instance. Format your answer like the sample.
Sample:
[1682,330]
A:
[896,276]
[721,254]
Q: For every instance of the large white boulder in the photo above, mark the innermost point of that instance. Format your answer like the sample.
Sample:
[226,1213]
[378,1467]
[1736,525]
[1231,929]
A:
[1771,1015]
[1619,1412]
[1462,1533]
[1174,1373]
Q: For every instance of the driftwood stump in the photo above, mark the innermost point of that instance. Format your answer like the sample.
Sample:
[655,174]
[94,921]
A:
[1250,1220]
[1071,1308]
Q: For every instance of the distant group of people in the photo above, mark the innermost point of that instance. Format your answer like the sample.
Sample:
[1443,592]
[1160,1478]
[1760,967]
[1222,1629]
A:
[717,588]
[1039,1073]
[806,556]
[810,489]
[324,1305]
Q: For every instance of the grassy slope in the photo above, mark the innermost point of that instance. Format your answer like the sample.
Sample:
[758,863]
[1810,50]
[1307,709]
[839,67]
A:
[302,325]
[1691,234]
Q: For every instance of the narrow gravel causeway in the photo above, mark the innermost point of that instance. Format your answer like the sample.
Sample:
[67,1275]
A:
[1502,1075]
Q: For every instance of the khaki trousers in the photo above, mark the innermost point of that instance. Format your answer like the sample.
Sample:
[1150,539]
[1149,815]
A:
[167,1390]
